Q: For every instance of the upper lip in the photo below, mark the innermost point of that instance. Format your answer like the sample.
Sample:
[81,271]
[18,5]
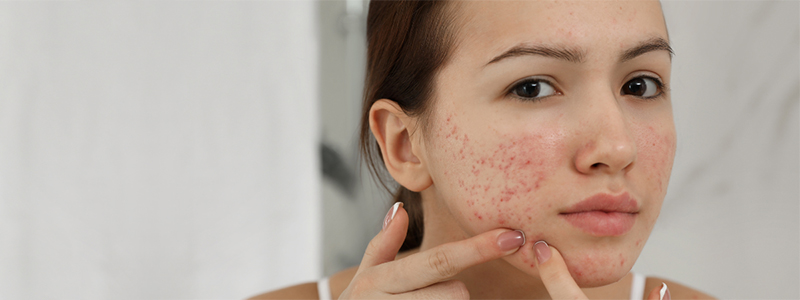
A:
[623,203]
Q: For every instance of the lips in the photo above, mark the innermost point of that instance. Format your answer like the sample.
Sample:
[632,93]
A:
[603,214]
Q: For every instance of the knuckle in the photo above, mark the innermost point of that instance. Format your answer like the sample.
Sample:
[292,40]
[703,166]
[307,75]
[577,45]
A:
[373,245]
[484,254]
[458,290]
[361,285]
[372,248]
[442,263]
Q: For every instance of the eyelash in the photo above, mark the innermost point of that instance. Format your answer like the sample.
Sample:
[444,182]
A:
[513,87]
[662,88]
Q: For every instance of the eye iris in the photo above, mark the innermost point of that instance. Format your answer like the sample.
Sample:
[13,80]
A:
[636,87]
[529,89]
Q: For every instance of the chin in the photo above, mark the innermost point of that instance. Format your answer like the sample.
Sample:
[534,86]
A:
[599,267]
[589,268]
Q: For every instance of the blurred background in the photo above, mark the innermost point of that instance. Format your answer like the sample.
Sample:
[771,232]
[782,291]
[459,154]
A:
[153,150]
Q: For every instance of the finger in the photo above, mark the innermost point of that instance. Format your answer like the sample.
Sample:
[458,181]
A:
[659,293]
[384,246]
[451,289]
[444,261]
[554,273]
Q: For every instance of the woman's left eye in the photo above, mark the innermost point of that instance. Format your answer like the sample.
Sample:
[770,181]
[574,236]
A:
[642,87]
[533,89]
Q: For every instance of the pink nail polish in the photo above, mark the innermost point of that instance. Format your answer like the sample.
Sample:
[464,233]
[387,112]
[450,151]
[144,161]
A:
[390,215]
[663,294]
[542,251]
[511,240]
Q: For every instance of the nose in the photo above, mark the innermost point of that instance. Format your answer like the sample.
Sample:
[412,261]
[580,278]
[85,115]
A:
[607,144]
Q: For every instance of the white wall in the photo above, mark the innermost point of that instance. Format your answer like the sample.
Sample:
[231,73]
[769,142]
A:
[729,224]
[155,150]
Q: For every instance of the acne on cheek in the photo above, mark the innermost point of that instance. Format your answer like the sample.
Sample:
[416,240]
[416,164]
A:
[656,152]
[497,181]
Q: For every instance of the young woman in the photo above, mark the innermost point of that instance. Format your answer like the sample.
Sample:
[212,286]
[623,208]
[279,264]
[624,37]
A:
[532,142]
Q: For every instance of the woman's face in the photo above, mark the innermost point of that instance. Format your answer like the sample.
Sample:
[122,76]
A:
[544,105]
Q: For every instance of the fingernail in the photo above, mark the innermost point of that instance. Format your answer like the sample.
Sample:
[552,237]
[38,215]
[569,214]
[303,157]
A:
[542,251]
[390,215]
[663,294]
[511,240]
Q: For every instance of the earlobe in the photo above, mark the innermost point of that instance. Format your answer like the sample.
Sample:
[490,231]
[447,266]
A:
[400,152]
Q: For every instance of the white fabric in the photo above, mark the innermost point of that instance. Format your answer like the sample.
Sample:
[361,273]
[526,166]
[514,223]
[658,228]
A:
[637,286]
[324,289]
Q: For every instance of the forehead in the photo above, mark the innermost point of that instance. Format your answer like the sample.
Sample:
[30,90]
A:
[598,27]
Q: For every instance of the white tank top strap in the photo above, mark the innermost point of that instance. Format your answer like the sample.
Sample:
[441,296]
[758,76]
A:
[324,289]
[637,286]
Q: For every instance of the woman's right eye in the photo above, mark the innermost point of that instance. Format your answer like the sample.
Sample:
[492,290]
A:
[533,89]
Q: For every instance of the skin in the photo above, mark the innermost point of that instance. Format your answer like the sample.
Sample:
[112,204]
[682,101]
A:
[498,161]
[487,162]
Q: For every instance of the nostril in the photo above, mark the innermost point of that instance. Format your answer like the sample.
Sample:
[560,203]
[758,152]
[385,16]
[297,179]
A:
[596,165]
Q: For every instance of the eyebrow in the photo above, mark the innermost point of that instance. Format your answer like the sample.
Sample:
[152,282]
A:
[570,55]
[653,44]
[576,55]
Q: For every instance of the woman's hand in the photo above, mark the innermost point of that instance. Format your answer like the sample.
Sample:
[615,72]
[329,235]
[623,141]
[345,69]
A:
[559,282]
[424,274]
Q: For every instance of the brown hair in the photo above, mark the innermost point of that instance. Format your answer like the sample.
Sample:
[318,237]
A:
[408,42]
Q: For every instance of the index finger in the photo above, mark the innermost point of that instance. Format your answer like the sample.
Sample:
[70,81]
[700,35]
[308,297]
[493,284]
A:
[554,273]
[444,261]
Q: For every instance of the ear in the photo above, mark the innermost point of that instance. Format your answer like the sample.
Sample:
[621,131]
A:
[401,154]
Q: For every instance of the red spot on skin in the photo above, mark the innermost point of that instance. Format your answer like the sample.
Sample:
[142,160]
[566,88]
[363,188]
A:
[638,242]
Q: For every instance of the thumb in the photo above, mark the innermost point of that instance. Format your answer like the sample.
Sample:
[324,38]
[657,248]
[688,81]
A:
[659,293]
[554,273]
[384,246]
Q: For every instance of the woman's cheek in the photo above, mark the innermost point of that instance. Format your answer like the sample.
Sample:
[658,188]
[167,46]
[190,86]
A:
[496,179]
[656,153]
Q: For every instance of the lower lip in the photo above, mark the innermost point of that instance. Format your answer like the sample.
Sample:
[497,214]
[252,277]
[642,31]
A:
[601,223]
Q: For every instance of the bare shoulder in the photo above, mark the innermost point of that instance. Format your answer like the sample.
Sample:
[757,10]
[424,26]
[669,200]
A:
[676,290]
[338,282]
